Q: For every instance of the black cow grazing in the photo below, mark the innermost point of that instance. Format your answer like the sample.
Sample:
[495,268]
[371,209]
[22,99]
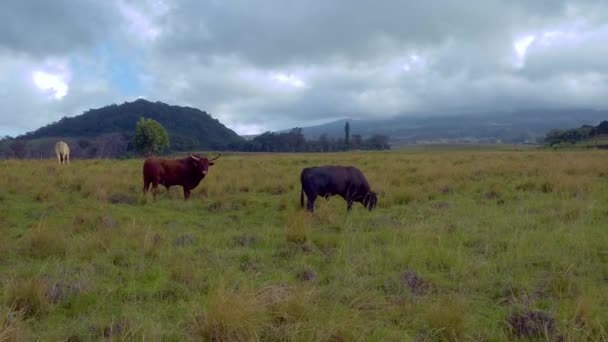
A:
[326,181]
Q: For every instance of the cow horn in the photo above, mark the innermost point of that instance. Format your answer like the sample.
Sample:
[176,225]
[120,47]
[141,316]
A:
[218,155]
[193,157]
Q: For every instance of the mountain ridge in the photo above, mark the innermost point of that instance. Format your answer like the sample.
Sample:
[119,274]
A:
[523,126]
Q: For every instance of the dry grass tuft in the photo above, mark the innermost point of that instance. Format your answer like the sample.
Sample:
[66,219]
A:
[297,228]
[43,243]
[186,271]
[152,244]
[27,295]
[12,326]
[446,318]
[230,315]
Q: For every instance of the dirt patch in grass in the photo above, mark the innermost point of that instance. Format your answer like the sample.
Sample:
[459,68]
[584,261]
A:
[307,274]
[122,198]
[57,292]
[113,330]
[244,240]
[415,283]
[108,222]
[407,284]
[248,264]
[441,205]
[184,240]
[490,195]
[450,228]
[531,323]
[216,207]
[307,248]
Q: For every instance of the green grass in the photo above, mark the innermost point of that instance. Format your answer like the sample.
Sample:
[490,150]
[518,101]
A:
[461,243]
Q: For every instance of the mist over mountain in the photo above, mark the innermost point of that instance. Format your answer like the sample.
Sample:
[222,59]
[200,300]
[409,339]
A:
[525,126]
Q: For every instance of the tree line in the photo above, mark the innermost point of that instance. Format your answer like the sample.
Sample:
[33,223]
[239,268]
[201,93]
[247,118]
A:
[294,141]
[151,138]
[574,135]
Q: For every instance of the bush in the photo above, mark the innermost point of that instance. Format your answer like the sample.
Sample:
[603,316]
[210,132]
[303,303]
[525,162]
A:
[150,137]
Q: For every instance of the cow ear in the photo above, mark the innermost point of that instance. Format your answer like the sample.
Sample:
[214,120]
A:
[212,163]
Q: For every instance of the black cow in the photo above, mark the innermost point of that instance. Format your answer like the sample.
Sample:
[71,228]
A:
[326,181]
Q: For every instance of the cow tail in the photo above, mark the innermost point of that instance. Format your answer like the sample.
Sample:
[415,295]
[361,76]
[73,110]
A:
[302,198]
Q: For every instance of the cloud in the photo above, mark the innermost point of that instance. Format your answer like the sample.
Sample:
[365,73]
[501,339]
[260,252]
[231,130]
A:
[281,63]
[42,28]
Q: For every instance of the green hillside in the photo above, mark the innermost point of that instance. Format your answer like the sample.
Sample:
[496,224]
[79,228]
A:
[189,128]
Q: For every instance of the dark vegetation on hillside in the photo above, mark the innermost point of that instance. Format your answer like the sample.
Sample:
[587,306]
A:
[189,128]
[108,132]
[568,137]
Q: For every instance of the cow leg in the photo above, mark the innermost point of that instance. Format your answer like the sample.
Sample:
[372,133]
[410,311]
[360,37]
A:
[154,188]
[349,205]
[186,194]
[310,203]
[146,185]
[67,157]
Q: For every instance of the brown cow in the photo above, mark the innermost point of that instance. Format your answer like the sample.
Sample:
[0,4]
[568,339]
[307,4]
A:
[187,172]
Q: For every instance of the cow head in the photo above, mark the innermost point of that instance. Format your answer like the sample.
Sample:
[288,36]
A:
[201,164]
[370,200]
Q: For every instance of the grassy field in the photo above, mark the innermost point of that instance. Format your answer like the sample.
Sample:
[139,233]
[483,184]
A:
[465,245]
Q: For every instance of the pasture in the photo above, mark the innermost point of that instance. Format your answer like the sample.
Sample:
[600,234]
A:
[464,245]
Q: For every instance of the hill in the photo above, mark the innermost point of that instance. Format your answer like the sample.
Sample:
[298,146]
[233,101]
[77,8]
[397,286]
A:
[586,136]
[525,126]
[188,128]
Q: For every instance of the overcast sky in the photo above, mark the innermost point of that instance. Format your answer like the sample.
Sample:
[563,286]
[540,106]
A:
[268,65]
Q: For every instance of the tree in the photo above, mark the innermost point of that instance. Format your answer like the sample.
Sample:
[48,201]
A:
[19,148]
[150,137]
[296,140]
[377,142]
[554,136]
[602,128]
[324,142]
[357,142]
[346,135]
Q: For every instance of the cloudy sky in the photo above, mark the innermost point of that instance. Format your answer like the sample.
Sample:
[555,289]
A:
[267,65]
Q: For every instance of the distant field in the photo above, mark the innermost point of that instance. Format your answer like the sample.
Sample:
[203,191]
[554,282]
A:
[465,245]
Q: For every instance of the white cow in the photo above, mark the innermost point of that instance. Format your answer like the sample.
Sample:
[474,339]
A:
[63,152]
